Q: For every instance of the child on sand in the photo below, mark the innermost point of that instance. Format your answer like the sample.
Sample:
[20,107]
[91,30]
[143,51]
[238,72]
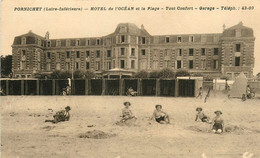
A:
[200,93]
[218,123]
[127,113]
[201,115]
[160,116]
[60,116]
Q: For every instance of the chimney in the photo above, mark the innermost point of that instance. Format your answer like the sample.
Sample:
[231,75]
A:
[47,35]
[142,26]
[224,27]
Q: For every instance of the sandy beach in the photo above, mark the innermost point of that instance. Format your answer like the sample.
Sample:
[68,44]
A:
[24,134]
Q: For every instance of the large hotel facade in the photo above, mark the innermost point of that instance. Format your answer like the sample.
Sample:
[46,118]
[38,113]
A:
[130,49]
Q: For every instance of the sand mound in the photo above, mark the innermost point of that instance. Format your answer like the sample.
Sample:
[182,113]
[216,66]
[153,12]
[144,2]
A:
[48,128]
[96,134]
[234,129]
[198,129]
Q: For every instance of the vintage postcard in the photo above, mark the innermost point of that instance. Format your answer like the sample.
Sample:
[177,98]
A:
[130,79]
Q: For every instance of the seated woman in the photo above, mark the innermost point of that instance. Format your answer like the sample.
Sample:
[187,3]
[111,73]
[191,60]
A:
[131,92]
[201,116]
[60,116]
[217,123]
[160,116]
[126,112]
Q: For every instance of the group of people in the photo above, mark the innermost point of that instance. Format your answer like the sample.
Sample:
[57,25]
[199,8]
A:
[217,123]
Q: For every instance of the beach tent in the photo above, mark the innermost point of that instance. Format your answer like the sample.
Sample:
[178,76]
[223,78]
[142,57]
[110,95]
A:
[239,86]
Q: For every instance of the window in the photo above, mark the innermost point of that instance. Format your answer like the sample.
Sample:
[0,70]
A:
[122,51]
[238,47]
[48,67]
[132,64]
[78,54]
[23,64]
[191,52]
[57,66]
[67,42]
[167,39]
[122,39]
[23,52]
[87,65]
[87,54]
[48,43]
[167,63]
[77,65]
[77,42]
[166,52]
[114,63]
[237,61]
[97,65]
[23,40]
[122,65]
[155,64]
[98,41]
[179,52]
[203,64]
[68,54]
[191,64]
[191,38]
[88,42]
[179,39]
[143,51]
[58,43]
[203,51]
[108,53]
[58,55]
[215,51]
[215,64]
[143,40]
[178,64]
[67,66]
[97,53]
[48,55]
[109,65]
[133,52]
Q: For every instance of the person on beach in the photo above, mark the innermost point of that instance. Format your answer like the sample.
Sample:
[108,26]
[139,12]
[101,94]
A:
[217,123]
[201,116]
[200,93]
[60,116]
[126,112]
[160,116]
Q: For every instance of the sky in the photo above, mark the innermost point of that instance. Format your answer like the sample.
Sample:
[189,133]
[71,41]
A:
[86,23]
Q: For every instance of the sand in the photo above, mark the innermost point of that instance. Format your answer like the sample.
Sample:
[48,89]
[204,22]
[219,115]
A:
[24,134]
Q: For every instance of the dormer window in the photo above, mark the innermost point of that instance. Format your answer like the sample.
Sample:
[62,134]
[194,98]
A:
[58,43]
[98,41]
[122,29]
[167,39]
[87,42]
[23,40]
[191,38]
[67,43]
[23,53]
[77,42]
[122,38]
[143,40]
[179,39]
[48,43]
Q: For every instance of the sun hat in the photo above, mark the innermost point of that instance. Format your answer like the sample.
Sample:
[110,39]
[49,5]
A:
[157,106]
[198,108]
[127,102]
[218,111]
[68,107]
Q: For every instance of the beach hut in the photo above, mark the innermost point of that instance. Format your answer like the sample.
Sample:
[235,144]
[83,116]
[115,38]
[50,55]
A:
[239,86]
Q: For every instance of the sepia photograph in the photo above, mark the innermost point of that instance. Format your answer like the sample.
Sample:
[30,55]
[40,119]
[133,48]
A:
[130,79]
